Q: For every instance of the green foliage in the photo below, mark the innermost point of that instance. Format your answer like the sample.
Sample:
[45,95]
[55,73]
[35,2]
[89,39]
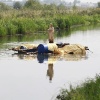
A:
[33,4]
[17,5]
[4,7]
[41,25]
[11,29]
[2,31]
[90,90]
[37,17]
[29,3]
[70,20]
[2,28]
[61,23]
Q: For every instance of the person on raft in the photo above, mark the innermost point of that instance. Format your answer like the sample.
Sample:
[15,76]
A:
[51,33]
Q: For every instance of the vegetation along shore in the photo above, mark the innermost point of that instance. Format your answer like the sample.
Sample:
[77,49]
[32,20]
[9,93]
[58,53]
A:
[34,16]
[89,90]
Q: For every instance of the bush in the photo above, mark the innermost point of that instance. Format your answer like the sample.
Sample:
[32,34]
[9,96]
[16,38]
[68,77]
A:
[90,90]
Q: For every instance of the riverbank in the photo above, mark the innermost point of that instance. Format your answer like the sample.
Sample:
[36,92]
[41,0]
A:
[28,21]
[89,90]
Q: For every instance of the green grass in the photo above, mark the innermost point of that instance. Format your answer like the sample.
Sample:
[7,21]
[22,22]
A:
[26,21]
[89,90]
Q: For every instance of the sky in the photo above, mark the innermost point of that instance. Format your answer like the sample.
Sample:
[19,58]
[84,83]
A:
[94,1]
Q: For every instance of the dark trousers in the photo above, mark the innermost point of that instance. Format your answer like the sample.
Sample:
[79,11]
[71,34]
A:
[51,41]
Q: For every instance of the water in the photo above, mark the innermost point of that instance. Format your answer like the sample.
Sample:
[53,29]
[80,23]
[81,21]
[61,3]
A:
[31,77]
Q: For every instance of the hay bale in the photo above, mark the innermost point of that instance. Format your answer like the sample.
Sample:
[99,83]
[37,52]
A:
[25,46]
[67,49]
[30,46]
[52,46]
[74,49]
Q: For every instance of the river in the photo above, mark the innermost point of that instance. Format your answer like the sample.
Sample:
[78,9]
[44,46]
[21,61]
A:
[30,77]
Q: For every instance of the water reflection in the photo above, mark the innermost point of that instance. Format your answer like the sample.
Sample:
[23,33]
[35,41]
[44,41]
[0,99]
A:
[50,71]
[42,57]
[50,59]
[74,57]
[24,56]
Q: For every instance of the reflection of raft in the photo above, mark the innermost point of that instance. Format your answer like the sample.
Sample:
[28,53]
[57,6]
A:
[57,48]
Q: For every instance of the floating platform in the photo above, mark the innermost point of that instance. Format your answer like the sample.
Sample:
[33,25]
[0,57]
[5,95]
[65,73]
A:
[58,48]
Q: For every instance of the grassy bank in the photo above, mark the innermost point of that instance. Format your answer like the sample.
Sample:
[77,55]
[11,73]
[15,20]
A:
[26,21]
[90,90]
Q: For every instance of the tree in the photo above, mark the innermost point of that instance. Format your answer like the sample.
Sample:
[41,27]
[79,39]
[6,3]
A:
[34,4]
[61,7]
[99,4]
[17,5]
[28,3]
[4,6]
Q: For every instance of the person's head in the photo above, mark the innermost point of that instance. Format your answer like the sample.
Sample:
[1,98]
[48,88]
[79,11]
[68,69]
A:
[51,24]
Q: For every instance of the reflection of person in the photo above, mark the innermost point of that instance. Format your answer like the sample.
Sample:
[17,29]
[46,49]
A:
[51,33]
[50,71]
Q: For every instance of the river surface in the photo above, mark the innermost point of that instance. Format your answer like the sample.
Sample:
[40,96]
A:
[31,77]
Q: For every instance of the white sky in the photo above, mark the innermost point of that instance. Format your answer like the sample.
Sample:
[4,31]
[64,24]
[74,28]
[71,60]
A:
[94,1]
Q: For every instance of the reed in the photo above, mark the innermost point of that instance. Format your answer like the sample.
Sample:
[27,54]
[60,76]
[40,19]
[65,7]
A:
[26,21]
[89,90]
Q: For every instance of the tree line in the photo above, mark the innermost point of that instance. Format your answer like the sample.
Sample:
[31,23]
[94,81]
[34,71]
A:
[35,5]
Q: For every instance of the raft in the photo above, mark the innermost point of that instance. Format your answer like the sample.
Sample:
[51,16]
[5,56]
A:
[56,48]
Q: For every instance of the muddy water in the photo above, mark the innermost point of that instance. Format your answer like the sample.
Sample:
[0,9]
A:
[33,77]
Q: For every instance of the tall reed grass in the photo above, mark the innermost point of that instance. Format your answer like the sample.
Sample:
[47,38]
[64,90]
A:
[26,21]
[89,90]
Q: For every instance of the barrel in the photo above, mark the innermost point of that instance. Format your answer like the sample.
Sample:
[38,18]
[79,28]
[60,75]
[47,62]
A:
[42,48]
[42,57]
